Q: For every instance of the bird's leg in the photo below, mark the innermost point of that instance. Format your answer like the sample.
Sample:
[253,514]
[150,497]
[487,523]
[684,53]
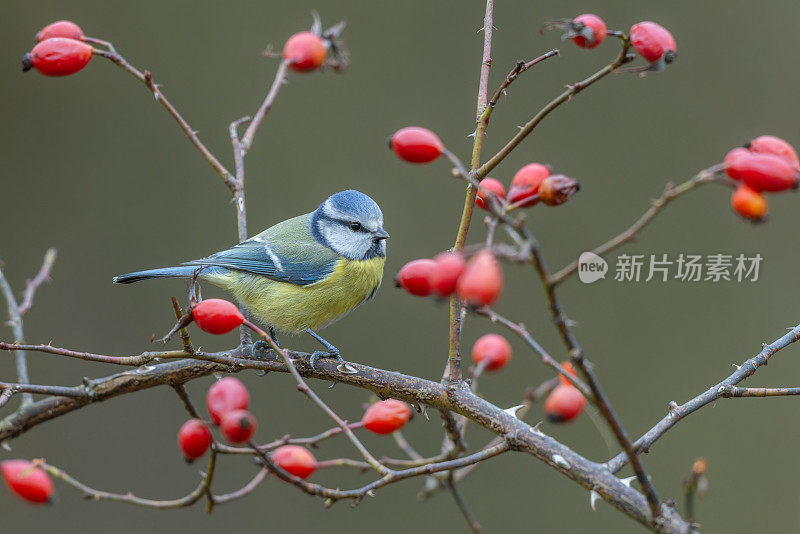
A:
[262,346]
[332,352]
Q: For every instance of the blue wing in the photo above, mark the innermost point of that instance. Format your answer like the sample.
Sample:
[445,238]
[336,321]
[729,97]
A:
[286,252]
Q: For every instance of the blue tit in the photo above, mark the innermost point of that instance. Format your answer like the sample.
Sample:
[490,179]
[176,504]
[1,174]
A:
[303,273]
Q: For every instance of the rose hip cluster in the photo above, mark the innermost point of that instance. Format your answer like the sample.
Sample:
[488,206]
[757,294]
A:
[532,183]
[477,282]
[227,401]
[60,50]
[651,41]
[767,164]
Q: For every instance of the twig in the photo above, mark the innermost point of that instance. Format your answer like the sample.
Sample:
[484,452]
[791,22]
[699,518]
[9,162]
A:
[454,373]
[59,391]
[676,413]
[41,277]
[566,96]
[280,78]
[303,387]
[734,391]
[185,339]
[247,489]
[522,332]
[694,484]
[142,359]
[462,504]
[147,79]
[671,192]
[129,498]
[312,441]
[518,69]
[180,389]
[390,477]
[405,446]
[384,383]
[15,321]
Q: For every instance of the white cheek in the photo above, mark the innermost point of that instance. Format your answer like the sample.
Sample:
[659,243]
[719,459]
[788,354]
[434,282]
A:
[345,242]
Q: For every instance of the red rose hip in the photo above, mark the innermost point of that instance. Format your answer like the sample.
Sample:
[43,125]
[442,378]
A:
[416,145]
[386,416]
[60,28]
[416,277]
[769,144]
[449,267]
[525,184]
[194,439]
[304,52]
[564,403]
[27,481]
[492,351]
[489,187]
[217,316]
[238,426]
[226,395]
[58,57]
[732,157]
[764,172]
[653,42]
[482,281]
[589,30]
[296,460]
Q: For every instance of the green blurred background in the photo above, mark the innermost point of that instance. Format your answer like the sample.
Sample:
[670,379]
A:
[93,166]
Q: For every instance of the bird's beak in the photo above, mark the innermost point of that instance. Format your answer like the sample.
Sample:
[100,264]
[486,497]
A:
[380,233]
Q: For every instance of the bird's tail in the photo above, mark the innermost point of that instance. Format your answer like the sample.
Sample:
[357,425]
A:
[184,271]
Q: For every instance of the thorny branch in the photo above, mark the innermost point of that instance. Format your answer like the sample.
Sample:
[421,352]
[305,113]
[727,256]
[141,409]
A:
[457,402]
[15,313]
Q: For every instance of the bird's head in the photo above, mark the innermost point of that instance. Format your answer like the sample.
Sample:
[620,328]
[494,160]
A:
[351,224]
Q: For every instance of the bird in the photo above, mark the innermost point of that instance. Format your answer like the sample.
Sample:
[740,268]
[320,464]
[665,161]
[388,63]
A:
[301,274]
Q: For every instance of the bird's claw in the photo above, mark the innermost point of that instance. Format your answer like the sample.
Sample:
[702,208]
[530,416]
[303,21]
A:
[334,353]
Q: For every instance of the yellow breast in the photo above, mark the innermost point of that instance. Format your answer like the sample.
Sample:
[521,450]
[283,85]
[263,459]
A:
[293,308]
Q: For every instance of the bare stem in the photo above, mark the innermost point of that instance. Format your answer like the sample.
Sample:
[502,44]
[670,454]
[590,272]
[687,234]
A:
[147,79]
[266,105]
[130,498]
[41,277]
[566,96]
[454,373]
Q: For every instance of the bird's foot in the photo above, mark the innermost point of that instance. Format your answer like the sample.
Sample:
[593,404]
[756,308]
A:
[332,353]
[261,350]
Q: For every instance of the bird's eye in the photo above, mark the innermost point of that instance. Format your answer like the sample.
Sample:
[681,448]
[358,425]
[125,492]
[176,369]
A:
[354,226]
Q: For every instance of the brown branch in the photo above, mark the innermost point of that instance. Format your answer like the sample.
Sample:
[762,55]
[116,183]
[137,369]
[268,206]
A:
[566,96]
[462,504]
[303,387]
[677,413]
[518,69]
[522,332]
[280,78]
[147,79]
[130,498]
[598,396]
[734,391]
[383,383]
[671,192]
[60,391]
[312,441]
[454,372]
